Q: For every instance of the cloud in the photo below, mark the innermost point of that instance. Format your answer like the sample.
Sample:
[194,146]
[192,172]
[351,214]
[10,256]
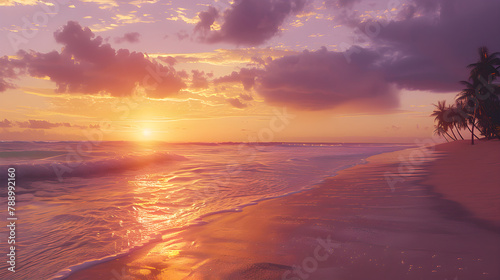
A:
[86,65]
[199,80]
[245,76]
[235,102]
[7,71]
[168,59]
[232,56]
[324,79]
[341,3]
[430,51]
[247,22]
[130,37]
[246,97]
[5,123]
[426,6]
[19,2]
[181,35]
[207,19]
[422,50]
[40,124]
[108,4]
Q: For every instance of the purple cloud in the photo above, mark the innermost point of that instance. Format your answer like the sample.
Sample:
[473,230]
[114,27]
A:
[422,50]
[199,79]
[7,71]
[5,123]
[430,52]
[247,22]
[341,3]
[207,18]
[131,37]
[235,102]
[88,66]
[323,80]
[181,35]
[245,76]
[246,97]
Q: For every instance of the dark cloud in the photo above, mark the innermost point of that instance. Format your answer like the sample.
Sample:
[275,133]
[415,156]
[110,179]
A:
[235,102]
[207,18]
[427,6]
[420,50]
[341,3]
[426,44]
[430,53]
[245,76]
[324,79]
[247,22]
[86,65]
[131,37]
[199,80]
[407,12]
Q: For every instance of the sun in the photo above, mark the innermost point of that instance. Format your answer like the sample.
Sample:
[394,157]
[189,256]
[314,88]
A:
[146,132]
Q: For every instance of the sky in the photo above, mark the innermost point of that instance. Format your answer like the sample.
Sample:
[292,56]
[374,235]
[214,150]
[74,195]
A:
[242,70]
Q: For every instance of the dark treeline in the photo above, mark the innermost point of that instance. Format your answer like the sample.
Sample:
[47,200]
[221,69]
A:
[477,106]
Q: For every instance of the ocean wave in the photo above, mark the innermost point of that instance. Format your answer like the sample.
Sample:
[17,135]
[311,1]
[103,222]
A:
[90,167]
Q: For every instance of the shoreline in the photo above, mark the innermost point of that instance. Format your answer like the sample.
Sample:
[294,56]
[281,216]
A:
[200,221]
[245,245]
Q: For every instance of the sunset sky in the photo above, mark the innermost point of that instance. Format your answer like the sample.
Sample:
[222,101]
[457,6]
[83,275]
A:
[261,70]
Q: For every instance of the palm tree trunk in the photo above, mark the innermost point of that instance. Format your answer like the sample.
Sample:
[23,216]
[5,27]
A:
[473,135]
[478,129]
[450,136]
[453,133]
[473,125]
[459,132]
[445,138]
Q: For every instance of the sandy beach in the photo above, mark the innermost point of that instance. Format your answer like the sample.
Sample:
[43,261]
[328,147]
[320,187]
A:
[470,175]
[400,216]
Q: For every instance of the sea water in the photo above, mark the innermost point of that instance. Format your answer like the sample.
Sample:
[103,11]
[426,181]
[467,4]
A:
[78,202]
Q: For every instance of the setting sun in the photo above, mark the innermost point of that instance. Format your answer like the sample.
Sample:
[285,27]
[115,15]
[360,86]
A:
[146,132]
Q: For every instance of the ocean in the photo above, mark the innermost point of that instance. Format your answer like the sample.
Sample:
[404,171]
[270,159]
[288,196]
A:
[79,203]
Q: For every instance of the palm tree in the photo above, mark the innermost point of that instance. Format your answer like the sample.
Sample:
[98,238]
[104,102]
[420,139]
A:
[477,105]
[482,73]
[472,105]
[440,116]
[485,67]
[468,99]
[439,131]
[455,119]
[465,117]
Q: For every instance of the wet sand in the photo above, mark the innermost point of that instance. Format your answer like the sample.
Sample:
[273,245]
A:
[380,220]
